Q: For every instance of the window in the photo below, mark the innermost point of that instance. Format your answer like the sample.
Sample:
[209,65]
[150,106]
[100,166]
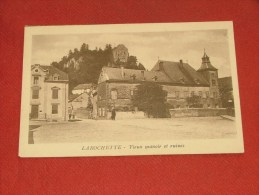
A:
[215,94]
[114,94]
[192,93]
[213,81]
[100,111]
[54,108]
[200,93]
[54,93]
[155,78]
[207,94]
[177,94]
[186,94]
[35,80]
[133,77]
[212,75]
[103,111]
[36,70]
[204,94]
[35,94]
[131,92]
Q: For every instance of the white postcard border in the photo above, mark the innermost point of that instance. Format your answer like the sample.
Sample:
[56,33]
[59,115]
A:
[199,146]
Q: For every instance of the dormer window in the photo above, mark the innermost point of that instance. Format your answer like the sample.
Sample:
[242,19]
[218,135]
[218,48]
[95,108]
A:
[155,78]
[36,70]
[133,77]
[55,77]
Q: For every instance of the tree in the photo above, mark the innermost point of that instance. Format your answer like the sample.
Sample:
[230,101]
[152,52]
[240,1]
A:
[70,53]
[76,53]
[132,62]
[151,98]
[84,48]
[194,101]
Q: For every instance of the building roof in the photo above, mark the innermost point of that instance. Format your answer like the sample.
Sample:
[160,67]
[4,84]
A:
[72,97]
[115,74]
[52,71]
[180,72]
[167,72]
[83,86]
[77,97]
[120,46]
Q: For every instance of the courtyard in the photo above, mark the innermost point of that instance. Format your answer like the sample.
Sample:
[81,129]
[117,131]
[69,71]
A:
[133,130]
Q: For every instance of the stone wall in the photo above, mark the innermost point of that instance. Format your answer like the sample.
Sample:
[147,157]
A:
[197,112]
[127,115]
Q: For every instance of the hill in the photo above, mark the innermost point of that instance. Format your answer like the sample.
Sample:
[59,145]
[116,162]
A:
[84,65]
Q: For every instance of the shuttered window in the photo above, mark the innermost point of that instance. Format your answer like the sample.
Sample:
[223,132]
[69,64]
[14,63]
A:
[54,108]
[54,93]
[35,94]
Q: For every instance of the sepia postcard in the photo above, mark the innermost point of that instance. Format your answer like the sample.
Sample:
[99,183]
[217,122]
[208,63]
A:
[130,89]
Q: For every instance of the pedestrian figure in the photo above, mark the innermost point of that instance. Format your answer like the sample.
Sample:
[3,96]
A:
[69,113]
[113,114]
[73,114]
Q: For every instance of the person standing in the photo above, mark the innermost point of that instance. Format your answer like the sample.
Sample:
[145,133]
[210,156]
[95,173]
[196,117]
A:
[113,114]
[70,112]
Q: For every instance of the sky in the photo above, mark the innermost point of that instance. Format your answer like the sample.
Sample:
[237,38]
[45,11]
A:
[148,47]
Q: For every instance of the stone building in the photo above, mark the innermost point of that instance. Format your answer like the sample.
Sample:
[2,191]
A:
[49,93]
[116,85]
[120,53]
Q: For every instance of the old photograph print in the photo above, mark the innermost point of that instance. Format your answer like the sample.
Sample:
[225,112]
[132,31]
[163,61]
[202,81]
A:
[130,90]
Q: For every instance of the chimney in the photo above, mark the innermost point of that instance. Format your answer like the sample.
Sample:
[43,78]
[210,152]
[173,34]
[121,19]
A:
[181,63]
[161,65]
[122,72]
[143,74]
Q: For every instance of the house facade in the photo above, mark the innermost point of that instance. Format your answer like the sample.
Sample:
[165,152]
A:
[49,93]
[116,86]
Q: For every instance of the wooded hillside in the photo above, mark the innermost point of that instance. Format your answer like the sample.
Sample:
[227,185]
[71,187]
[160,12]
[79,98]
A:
[84,65]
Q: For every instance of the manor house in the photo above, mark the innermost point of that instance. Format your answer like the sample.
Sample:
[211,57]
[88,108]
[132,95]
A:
[49,93]
[116,86]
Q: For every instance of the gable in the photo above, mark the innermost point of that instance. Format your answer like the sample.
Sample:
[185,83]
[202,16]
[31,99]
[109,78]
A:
[37,70]
[50,72]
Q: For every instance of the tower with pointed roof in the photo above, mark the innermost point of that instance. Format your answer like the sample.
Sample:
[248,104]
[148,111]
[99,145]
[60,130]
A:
[210,73]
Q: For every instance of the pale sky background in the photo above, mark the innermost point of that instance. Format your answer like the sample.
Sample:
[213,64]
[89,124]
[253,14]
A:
[147,47]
